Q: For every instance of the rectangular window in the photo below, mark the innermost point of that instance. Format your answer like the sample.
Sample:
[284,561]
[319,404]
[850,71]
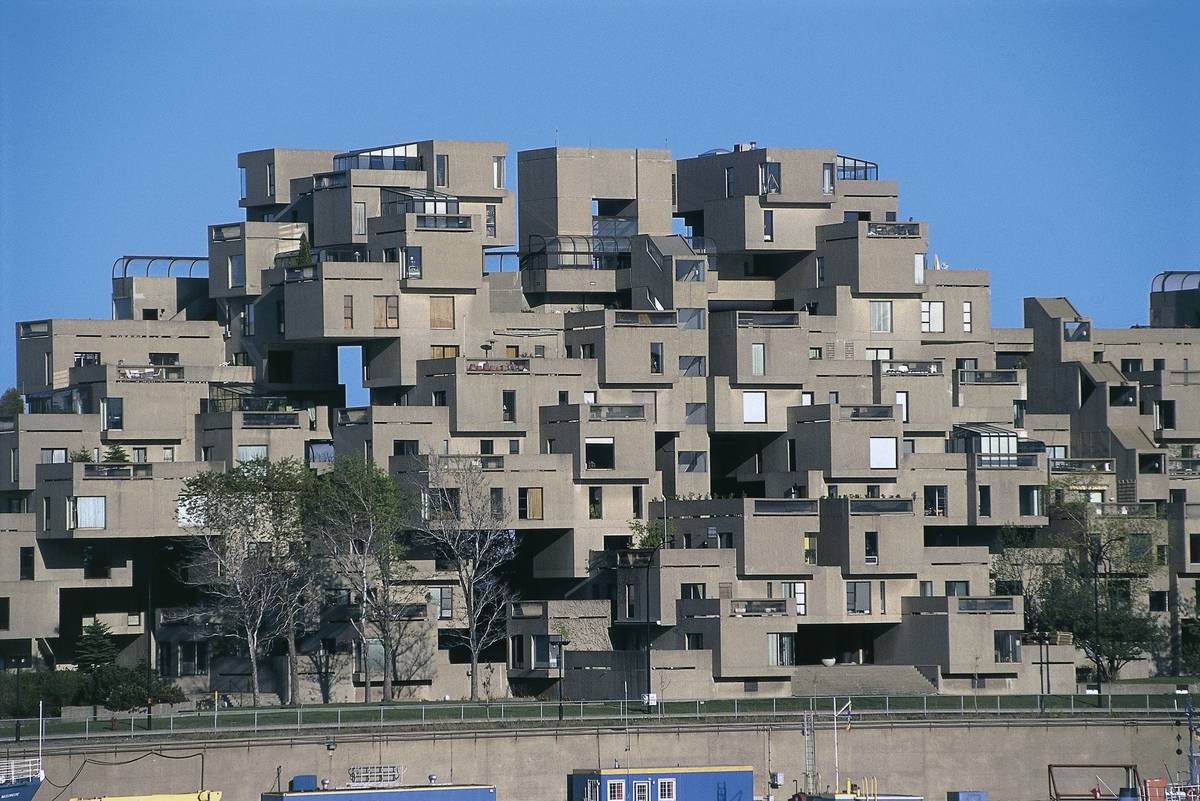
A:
[595,503]
[441,312]
[438,398]
[87,358]
[754,407]
[250,453]
[360,219]
[781,649]
[347,312]
[693,641]
[902,402]
[489,220]
[412,262]
[693,462]
[53,456]
[966,317]
[88,512]
[858,597]
[883,453]
[881,316]
[529,503]
[139,455]
[918,268]
[442,170]
[985,501]
[768,178]
[933,319]
[810,548]
[387,311]
[692,591]
[656,358]
[27,564]
[637,503]
[631,601]
[959,589]
[113,410]
[871,547]
[271,178]
[242,181]
[768,225]
[729,182]
[497,172]
[819,261]
[237,270]
[443,351]
[1158,601]
[666,790]
[695,413]
[799,591]
[691,319]
[758,358]
[827,179]
[689,270]
[691,366]
[168,453]
[443,599]
[926,589]
[5,607]
[877,354]
[508,405]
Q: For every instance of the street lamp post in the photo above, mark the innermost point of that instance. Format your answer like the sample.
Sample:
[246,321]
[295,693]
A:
[562,642]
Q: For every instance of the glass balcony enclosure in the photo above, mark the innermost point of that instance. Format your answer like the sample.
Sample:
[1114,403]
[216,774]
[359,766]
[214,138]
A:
[391,157]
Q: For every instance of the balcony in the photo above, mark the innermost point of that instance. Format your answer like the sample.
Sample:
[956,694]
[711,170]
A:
[38,328]
[359,415]
[910,368]
[270,420]
[641,318]
[443,222]
[988,377]
[866,412]
[1006,461]
[852,169]
[377,161]
[616,412]
[527,610]
[150,373]
[1125,510]
[985,605]
[1081,465]
[498,366]
[120,472]
[1184,468]
[245,403]
[786,506]
[894,230]
[772,608]
[881,506]
[768,320]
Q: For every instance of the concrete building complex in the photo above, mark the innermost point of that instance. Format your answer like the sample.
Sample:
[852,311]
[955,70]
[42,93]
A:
[754,346]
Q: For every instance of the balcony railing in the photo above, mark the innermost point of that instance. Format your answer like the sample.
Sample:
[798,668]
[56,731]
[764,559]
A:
[367,161]
[642,318]
[773,608]
[269,420]
[1184,467]
[1081,466]
[610,412]
[786,506]
[307,272]
[1006,461]
[245,403]
[226,233]
[910,368]
[1124,509]
[998,604]
[452,222]
[354,416]
[881,506]
[120,472]
[867,412]
[38,328]
[498,366]
[987,376]
[491,462]
[150,373]
[894,230]
[523,610]
[768,319]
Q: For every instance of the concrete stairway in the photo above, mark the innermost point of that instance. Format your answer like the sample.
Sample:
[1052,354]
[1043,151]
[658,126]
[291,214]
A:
[862,680]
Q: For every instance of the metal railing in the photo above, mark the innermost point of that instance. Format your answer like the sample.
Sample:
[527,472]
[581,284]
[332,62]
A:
[610,412]
[1006,461]
[987,376]
[910,368]
[1184,467]
[284,721]
[768,319]
[1081,465]
[894,229]
[118,471]
[866,413]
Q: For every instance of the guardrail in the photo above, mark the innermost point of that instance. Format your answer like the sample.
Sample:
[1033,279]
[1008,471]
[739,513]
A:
[330,718]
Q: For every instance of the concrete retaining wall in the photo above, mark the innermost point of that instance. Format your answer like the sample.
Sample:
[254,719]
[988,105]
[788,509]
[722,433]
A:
[1007,759]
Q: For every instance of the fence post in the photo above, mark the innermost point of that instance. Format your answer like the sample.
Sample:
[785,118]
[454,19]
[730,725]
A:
[1072,696]
[925,704]
[735,709]
[1110,703]
[1147,704]
[299,716]
[887,705]
[381,716]
[339,719]
[422,713]
[462,712]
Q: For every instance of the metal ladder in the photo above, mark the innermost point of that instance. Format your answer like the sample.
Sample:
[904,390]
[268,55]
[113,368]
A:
[811,777]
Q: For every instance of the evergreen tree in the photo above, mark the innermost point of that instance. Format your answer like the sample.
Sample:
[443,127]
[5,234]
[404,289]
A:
[116,453]
[10,403]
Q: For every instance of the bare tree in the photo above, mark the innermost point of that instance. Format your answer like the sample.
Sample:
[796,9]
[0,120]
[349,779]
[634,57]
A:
[245,557]
[357,515]
[466,525]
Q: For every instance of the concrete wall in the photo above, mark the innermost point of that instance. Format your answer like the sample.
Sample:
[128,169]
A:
[1006,760]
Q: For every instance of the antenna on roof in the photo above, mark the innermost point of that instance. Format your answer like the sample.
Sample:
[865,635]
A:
[556,137]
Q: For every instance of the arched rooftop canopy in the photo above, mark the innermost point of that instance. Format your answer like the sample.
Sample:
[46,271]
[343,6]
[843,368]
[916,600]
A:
[1175,281]
[122,266]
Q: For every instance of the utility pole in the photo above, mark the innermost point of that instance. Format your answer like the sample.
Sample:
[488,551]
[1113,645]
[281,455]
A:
[837,773]
[149,646]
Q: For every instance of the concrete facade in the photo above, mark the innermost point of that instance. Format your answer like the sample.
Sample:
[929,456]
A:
[750,346]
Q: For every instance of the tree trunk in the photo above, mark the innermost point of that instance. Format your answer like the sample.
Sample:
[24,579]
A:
[388,665]
[474,674]
[366,669]
[252,644]
[293,668]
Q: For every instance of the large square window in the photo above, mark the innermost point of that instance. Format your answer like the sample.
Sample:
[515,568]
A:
[881,316]
[883,453]
[754,407]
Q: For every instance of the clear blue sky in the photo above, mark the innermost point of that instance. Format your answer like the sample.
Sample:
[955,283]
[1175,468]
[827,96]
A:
[1054,144]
